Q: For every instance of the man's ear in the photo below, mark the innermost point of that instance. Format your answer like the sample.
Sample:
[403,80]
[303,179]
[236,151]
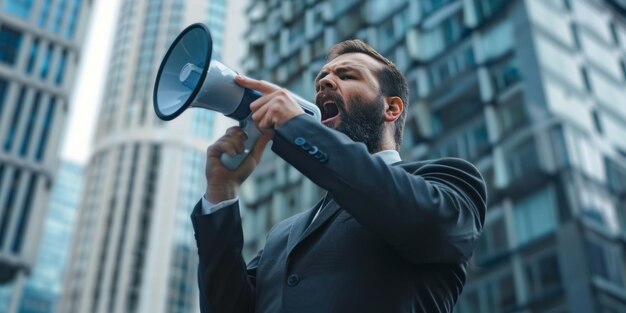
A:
[393,108]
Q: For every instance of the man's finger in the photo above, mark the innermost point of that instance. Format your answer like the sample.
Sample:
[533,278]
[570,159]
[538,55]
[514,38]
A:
[258,85]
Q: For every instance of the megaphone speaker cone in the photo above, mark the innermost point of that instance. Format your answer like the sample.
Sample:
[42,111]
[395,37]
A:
[182,71]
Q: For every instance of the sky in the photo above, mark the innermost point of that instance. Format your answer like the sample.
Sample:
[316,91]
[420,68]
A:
[87,94]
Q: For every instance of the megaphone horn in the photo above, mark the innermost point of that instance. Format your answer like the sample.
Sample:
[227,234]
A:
[188,77]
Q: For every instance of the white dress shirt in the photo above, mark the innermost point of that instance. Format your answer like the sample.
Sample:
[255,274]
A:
[389,156]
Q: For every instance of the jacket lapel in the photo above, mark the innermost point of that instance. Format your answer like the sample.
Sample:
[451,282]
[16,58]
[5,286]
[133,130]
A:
[299,231]
[299,225]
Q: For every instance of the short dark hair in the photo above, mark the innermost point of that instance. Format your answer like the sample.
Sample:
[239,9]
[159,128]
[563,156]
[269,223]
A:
[392,82]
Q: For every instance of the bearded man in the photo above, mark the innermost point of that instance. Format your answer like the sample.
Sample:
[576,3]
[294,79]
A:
[389,236]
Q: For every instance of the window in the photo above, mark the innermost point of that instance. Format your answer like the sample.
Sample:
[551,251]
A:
[584,153]
[45,12]
[521,160]
[19,8]
[386,34]
[583,72]
[505,74]
[470,143]
[45,65]
[428,6]
[58,79]
[30,124]
[604,260]
[596,205]
[543,274]
[10,40]
[486,8]
[452,66]
[347,25]
[494,240]
[506,291]
[46,129]
[9,204]
[576,35]
[496,293]
[497,40]
[615,176]
[4,88]
[74,16]
[58,18]
[8,144]
[32,57]
[535,215]
[512,114]
[24,215]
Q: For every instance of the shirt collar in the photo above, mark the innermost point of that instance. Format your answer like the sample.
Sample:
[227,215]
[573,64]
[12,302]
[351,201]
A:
[389,156]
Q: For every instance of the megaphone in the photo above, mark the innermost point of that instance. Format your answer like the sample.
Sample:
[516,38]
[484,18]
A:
[188,77]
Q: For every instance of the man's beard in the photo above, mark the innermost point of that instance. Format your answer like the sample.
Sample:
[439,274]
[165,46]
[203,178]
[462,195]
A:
[364,122]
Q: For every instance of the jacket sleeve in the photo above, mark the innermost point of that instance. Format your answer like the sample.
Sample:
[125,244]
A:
[432,214]
[226,284]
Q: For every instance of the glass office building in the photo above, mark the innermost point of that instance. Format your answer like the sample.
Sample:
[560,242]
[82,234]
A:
[530,91]
[40,293]
[134,249]
[40,45]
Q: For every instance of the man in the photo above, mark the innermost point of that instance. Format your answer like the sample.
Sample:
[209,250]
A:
[389,236]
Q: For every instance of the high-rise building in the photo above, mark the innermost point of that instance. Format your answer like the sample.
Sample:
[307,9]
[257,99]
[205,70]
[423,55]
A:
[530,91]
[40,293]
[134,249]
[40,45]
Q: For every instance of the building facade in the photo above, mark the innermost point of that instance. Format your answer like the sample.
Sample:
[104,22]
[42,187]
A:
[134,250]
[40,45]
[40,293]
[530,91]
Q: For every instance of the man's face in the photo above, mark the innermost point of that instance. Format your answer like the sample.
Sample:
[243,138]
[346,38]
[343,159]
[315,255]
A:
[349,97]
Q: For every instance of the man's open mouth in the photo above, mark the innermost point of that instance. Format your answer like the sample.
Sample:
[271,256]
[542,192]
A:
[329,111]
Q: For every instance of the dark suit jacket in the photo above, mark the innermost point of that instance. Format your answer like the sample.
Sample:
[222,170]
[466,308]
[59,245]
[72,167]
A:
[395,238]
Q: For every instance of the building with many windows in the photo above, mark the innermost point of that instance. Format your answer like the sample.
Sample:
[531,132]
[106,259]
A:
[134,249]
[40,45]
[530,91]
[41,291]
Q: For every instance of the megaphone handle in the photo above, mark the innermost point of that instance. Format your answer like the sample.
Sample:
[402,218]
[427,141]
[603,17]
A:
[253,133]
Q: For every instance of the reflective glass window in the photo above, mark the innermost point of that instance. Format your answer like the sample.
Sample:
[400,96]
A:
[535,215]
[10,40]
[497,40]
[19,8]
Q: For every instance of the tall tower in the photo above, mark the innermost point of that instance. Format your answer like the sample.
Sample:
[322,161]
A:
[134,249]
[41,292]
[40,45]
[530,91]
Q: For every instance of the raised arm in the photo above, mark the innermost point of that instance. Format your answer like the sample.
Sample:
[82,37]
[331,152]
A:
[430,213]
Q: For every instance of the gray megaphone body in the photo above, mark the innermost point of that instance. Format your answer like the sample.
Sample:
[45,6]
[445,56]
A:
[188,78]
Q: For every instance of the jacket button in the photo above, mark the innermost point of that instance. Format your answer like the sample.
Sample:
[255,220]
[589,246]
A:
[324,158]
[299,141]
[313,150]
[293,280]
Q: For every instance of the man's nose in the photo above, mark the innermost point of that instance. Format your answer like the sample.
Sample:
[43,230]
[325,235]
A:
[327,83]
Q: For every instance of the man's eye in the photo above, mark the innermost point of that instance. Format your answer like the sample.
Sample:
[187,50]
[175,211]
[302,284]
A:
[346,77]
